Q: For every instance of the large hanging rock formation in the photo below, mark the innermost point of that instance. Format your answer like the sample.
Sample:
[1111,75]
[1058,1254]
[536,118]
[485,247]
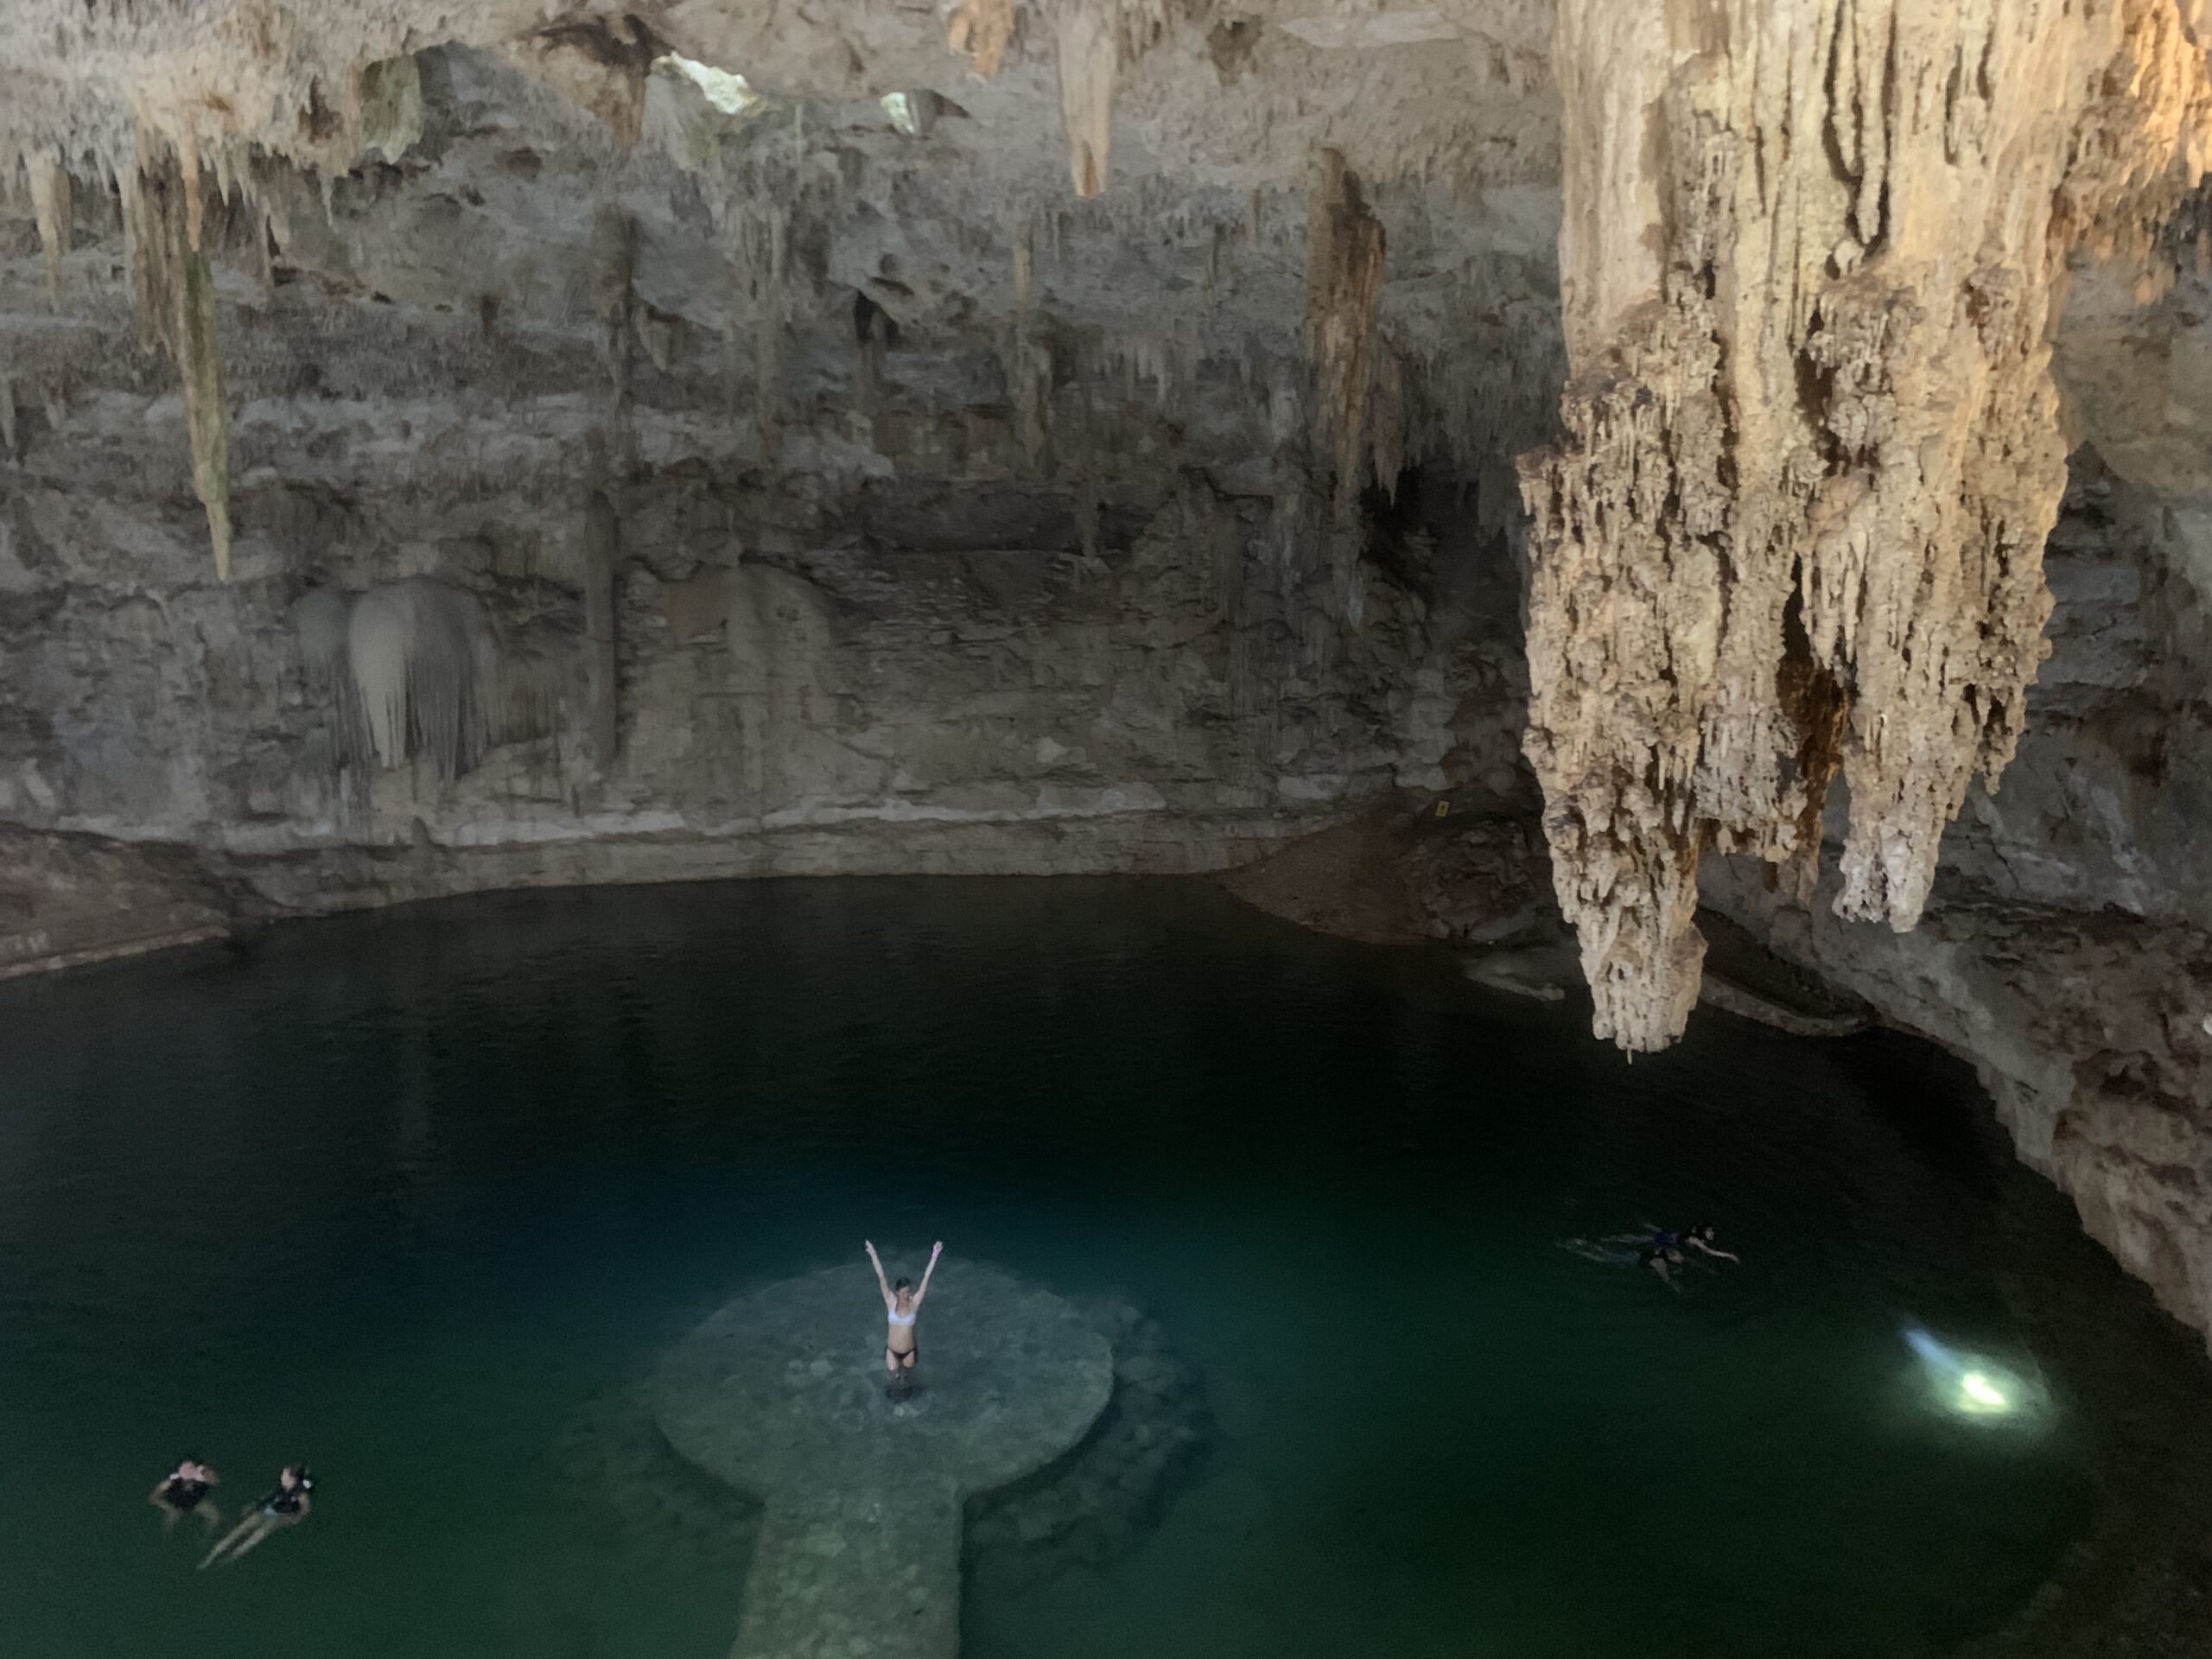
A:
[1810,253]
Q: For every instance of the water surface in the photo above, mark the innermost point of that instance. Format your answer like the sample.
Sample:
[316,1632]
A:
[415,1195]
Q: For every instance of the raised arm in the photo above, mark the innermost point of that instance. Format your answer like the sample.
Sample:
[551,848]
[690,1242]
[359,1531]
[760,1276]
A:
[881,1283]
[923,1290]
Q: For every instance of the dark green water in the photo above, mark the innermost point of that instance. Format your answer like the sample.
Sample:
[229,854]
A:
[410,1195]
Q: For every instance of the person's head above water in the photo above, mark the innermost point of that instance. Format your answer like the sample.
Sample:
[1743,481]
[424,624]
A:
[902,1287]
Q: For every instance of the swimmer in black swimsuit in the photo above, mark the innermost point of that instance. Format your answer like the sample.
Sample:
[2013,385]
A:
[1661,1259]
[285,1507]
[183,1491]
[1702,1237]
[1656,1256]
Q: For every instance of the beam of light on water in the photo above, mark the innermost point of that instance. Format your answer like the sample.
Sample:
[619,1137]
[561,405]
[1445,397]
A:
[1967,1385]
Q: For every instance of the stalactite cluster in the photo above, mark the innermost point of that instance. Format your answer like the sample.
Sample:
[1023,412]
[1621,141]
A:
[412,670]
[1094,41]
[51,204]
[1811,449]
[178,161]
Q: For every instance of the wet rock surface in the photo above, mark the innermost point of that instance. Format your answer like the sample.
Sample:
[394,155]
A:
[638,1495]
[862,1487]
[1098,1502]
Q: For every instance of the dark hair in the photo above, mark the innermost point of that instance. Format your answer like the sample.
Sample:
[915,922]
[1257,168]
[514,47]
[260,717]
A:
[903,1284]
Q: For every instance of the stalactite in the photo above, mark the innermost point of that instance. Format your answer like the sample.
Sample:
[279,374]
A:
[872,332]
[1033,371]
[769,232]
[195,203]
[979,30]
[1344,278]
[1387,418]
[1090,59]
[602,556]
[1029,367]
[613,267]
[1810,255]
[264,251]
[176,293]
[7,417]
[52,205]
[130,192]
[1095,41]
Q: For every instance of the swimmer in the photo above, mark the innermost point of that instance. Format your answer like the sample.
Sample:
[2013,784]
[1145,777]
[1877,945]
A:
[1703,1236]
[183,1491]
[1656,1257]
[285,1507]
[901,1302]
[1659,1258]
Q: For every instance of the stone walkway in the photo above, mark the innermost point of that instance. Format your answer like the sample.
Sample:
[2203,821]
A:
[781,1394]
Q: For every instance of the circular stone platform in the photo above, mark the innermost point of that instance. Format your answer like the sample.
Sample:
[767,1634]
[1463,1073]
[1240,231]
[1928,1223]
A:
[782,1394]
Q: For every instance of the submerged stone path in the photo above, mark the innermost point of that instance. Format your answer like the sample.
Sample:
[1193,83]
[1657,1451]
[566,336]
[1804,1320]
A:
[781,1394]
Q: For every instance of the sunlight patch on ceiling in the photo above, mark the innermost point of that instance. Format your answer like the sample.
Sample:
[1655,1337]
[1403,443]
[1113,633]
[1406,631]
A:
[901,107]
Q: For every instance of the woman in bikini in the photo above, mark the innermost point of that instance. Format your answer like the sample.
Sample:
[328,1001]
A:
[287,1506]
[901,1302]
[184,1491]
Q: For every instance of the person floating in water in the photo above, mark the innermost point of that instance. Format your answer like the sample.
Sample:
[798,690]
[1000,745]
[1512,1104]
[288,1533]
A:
[183,1491]
[902,1302]
[1661,1259]
[1700,1235]
[285,1507]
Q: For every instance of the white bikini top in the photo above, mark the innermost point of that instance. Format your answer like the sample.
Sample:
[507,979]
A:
[897,1317]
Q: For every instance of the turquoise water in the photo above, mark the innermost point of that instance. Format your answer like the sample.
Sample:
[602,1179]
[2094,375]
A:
[416,1197]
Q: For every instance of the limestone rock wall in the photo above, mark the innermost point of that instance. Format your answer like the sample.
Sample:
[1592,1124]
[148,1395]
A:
[541,444]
